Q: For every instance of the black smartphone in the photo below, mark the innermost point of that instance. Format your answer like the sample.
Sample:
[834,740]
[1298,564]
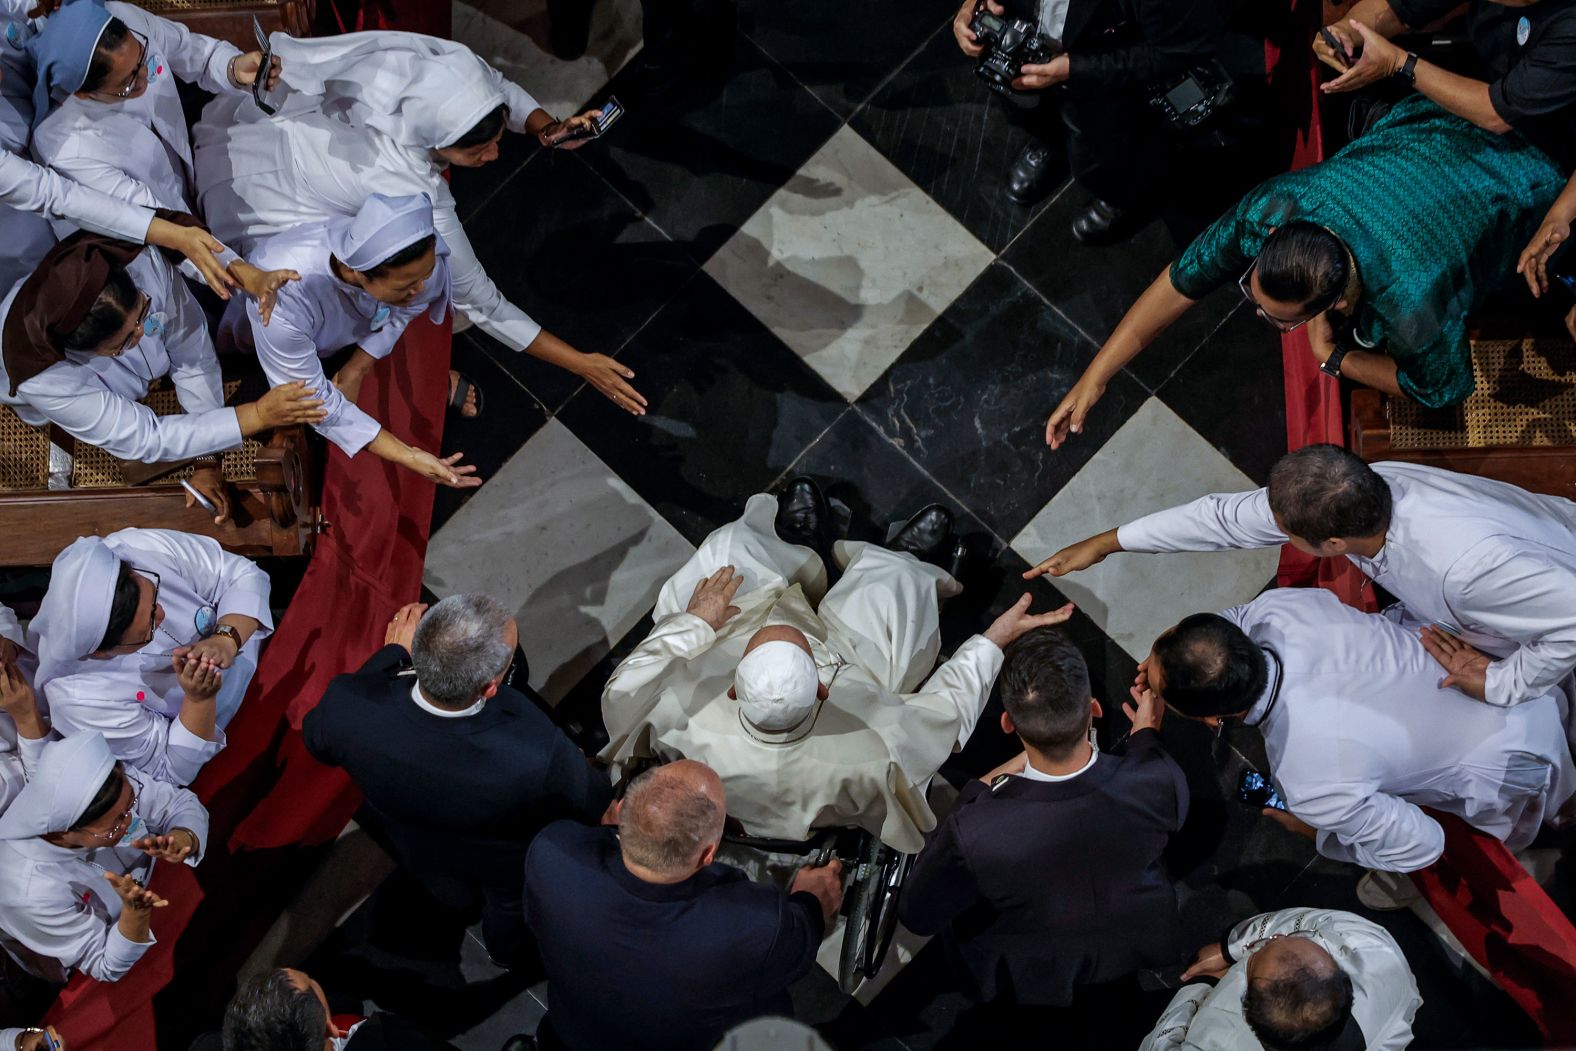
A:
[1254,789]
[1336,46]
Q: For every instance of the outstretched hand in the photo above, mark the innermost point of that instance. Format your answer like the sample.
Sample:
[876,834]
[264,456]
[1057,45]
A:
[1068,417]
[1467,667]
[1018,620]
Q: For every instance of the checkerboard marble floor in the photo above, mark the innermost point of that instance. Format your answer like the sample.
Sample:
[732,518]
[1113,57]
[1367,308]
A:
[811,267]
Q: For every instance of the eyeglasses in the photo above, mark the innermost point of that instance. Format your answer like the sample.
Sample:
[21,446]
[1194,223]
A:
[136,74]
[153,609]
[135,335]
[114,834]
[1245,283]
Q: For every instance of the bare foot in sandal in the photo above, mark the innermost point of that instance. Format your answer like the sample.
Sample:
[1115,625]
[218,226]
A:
[467,404]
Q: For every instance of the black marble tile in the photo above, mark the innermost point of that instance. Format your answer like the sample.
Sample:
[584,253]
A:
[939,123]
[1232,392]
[701,167]
[731,407]
[969,398]
[510,415]
[1095,286]
[842,51]
[576,257]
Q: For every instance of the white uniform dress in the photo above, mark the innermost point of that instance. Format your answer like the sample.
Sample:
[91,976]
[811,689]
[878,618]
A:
[58,912]
[139,149]
[97,398]
[1495,563]
[1360,737]
[258,176]
[134,699]
[320,315]
[17,754]
[866,755]
[1203,1017]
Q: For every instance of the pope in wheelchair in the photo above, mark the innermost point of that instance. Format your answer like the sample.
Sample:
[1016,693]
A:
[812,705]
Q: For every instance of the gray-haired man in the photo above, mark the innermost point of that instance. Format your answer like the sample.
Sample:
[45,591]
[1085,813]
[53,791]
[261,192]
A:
[459,770]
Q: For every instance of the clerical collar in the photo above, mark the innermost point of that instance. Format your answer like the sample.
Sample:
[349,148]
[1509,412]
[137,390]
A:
[1261,708]
[1033,774]
[443,713]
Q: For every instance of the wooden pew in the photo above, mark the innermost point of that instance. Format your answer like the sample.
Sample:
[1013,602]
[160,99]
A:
[232,19]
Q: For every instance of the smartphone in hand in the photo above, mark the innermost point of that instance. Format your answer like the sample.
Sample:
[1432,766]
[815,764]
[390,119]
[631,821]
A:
[611,110]
[1254,789]
[1346,57]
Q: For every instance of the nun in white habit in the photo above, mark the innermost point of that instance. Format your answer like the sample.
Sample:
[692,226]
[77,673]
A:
[85,335]
[124,133]
[76,849]
[363,280]
[151,637]
[23,729]
[383,113]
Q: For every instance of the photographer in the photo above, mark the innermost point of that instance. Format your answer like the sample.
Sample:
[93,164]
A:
[1110,57]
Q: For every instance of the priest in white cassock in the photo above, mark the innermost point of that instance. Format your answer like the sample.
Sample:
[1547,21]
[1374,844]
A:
[1298,977]
[1470,559]
[384,113]
[106,109]
[76,850]
[363,280]
[813,706]
[86,334]
[150,637]
[1358,732]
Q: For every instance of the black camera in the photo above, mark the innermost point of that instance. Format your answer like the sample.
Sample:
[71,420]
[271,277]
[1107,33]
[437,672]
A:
[1010,44]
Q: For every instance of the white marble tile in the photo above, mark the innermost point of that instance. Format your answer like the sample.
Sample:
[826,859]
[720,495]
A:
[849,263]
[512,36]
[1155,461]
[556,536]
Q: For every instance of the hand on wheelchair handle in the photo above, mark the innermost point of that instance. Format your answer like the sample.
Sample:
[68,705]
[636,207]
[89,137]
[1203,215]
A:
[825,882]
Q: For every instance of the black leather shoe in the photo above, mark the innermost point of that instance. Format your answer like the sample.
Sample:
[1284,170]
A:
[1105,224]
[925,535]
[1030,177]
[803,516]
[519,1042]
[569,27]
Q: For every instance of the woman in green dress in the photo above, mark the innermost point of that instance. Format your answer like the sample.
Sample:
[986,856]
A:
[1396,239]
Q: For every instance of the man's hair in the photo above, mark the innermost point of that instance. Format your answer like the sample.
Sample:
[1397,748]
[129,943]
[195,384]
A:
[122,609]
[1304,263]
[1298,1010]
[103,800]
[1210,666]
[107,314]
[115,34]
[1324,491]
[459,648]
[408,254]
[666,822]
[270,1013]
[1045,688]
[486,130]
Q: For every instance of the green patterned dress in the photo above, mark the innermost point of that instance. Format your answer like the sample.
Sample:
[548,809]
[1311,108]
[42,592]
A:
[1434,209]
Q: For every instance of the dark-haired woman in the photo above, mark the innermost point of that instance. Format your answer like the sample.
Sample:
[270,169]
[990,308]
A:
[106,108]
[384,112]
[84,336]
[1393,241]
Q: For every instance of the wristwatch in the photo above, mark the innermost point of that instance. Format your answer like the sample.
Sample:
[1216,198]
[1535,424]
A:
[1408,70]
[1331,366]
[229,632]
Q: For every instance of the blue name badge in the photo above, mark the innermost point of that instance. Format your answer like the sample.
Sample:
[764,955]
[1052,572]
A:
[1523,31]
[205,620]
[153,325]
[381,317]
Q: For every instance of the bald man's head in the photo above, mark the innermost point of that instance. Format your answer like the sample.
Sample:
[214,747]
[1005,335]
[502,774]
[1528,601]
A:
[671,820]
[1297,996]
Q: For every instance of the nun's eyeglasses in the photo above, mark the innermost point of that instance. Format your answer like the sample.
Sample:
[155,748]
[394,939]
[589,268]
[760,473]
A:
[153,609]
[115,832]
[130,88]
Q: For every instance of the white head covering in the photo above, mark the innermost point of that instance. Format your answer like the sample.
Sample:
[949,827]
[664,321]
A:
[68,775]
[418,90]
[776,684]
[383,227]
[75,612]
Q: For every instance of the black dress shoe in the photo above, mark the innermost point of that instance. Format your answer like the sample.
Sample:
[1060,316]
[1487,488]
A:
[1105,224]
[569,27]
[803,516]
[1030,177]
[925,535]
[519,1042]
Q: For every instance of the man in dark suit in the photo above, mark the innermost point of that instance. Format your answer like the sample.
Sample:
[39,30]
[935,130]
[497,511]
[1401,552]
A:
[647,941]
[286,1010]
[1046,878]
[1110,56]
[458,769]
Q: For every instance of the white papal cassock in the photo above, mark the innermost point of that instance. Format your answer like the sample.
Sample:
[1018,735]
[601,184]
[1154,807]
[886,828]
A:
[867,753]
[134,699]
[1360,737]
[98,398]
[1495,563]
[1385,999]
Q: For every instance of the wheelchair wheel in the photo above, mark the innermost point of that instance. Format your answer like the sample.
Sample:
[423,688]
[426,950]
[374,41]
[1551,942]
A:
[872,918]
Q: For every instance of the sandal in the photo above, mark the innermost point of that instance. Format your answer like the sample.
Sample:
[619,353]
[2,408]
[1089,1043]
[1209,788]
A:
[462,390]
